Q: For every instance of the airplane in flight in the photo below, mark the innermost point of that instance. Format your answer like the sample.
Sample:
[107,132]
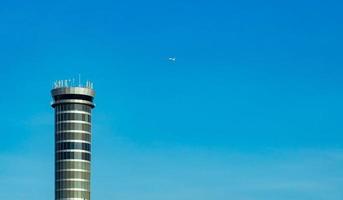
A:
[173,59]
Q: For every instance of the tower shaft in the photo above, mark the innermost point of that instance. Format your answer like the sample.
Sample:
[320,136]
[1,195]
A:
[73,106]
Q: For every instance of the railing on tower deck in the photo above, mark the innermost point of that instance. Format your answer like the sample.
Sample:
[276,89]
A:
[71,83]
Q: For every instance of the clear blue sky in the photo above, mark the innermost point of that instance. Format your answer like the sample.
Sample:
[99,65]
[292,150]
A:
[251,109]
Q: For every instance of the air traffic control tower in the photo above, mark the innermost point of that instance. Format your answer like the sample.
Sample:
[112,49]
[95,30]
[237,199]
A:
[72,105]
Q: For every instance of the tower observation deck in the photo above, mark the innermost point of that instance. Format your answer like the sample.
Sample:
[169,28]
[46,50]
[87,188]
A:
[73,106]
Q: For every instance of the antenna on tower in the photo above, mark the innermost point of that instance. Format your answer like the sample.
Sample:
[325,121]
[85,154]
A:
[79,80]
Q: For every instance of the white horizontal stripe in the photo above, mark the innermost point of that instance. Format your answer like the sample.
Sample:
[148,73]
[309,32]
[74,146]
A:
[73,131]
[73,150]
[72,199]
[73,160]
[72,170]
[76,160]
[72,179]
[78,141]
[73,189]
[73,111]
[73,121]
